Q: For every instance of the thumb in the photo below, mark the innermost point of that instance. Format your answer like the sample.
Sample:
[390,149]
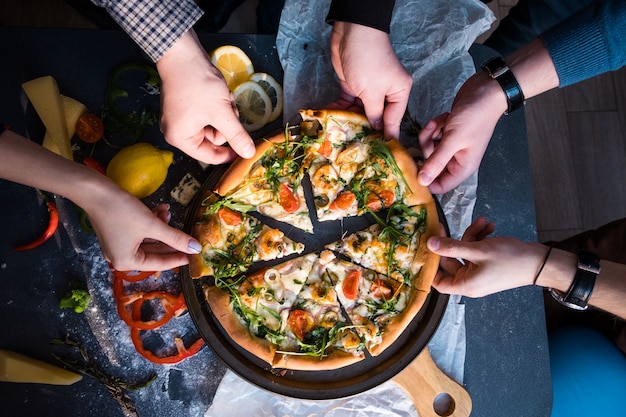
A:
[450,248]
[434,165]
[393,117]
[239,140]
[374,107]
[176,239]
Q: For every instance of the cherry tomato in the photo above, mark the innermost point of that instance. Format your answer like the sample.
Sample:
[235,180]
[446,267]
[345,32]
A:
[287,199]
[228,216]
[300,322]
[326,148]
[380,289]
[350,284]
[89,128]
[376,201]
[343,201]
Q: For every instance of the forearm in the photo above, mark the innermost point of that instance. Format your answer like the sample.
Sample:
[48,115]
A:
[609,291]
[48,171]
[590,42]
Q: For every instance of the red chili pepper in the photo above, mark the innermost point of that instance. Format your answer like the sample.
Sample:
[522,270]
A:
[93,163]
[52,227]
[182,351]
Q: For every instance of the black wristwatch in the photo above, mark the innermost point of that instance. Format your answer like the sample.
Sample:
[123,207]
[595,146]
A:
[585,279]
[499,71]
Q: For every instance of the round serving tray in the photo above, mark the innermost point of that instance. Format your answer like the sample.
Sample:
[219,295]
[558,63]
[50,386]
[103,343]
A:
[316,385]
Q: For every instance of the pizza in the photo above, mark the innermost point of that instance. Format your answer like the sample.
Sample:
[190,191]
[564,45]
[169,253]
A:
[233,240]
[329,307]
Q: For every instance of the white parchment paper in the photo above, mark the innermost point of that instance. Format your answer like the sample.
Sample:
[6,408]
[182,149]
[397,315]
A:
[431,39]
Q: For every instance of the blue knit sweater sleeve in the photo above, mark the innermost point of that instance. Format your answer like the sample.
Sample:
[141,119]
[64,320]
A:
[589,43]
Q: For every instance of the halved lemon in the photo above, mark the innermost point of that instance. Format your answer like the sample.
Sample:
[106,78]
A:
[273,90]
[254,105]
[233,63]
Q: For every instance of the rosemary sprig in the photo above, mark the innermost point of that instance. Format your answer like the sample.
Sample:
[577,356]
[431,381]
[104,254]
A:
[117,387]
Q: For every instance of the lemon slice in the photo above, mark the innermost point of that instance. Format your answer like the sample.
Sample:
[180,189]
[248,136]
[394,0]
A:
[254,105]
[233,63]
[273,90]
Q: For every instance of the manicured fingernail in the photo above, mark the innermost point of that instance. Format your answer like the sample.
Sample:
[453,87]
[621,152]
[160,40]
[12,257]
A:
[423,178]
[194,246]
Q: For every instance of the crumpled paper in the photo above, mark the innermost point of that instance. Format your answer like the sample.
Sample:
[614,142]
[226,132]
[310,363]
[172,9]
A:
[432,40]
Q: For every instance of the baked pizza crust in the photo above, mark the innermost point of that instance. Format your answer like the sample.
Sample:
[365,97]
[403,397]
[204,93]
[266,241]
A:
[400,322]
[240,167]
[426,261]
[322,115]
[219,301]
[418,194]
[207,230]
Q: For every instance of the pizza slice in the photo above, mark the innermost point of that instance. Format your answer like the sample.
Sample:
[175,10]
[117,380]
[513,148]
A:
[254,309]
[318,334]
[354,169]
[396,245]
[270,182]
[378,307]
[232,240]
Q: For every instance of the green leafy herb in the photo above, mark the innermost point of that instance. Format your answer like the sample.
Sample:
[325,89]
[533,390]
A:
[77,299]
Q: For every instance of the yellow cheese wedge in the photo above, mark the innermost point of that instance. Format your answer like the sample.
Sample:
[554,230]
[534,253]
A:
[72,109]
[44,94]
[19,368]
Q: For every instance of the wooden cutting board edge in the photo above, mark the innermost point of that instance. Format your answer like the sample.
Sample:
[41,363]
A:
[423,381]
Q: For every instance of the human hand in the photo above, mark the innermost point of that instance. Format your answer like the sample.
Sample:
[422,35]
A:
[489,265]
[134,238]
[454,143]
[371,75]
[199,114]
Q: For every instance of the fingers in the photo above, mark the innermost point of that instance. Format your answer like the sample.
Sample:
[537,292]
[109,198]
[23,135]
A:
[451,248]
[239,140]
[160,261]
[478,230]
[392,116]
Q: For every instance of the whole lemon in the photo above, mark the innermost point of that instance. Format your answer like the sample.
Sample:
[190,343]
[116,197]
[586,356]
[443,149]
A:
[140,169]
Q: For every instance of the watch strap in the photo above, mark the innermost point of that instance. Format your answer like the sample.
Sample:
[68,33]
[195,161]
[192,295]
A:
[499,71]
[580,291]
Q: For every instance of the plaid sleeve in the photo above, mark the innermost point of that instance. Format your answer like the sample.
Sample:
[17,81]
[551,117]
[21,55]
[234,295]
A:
[155,25]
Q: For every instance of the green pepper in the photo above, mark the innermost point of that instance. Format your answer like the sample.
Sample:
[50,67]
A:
[131,125]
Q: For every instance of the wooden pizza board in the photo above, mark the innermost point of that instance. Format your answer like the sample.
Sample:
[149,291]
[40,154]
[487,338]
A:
[434,394]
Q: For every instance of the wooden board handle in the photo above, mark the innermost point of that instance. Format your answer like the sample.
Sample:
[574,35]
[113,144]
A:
[434,394]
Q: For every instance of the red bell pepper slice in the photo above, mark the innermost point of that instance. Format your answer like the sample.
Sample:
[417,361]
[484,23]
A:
[170,303]
[182,352]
